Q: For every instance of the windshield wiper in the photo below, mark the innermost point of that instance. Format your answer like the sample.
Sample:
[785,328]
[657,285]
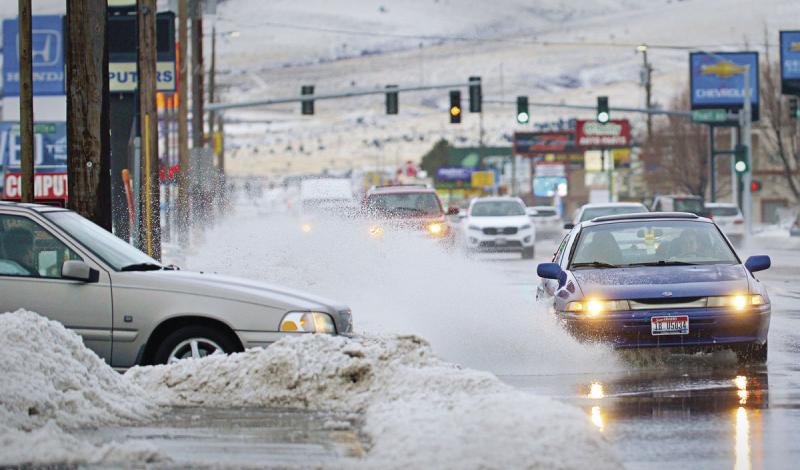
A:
[593,264]
[142,267]
[664,263]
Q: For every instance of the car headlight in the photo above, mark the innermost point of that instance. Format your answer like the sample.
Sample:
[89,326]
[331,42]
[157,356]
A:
[308,322]
[737,302]
[525,227]
[594,307]
[474,227]
[437,229]
[376,231]
[306,228]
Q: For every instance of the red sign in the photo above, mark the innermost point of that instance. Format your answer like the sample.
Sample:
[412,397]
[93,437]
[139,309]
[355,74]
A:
[538,143]
[45,186]
[592,134]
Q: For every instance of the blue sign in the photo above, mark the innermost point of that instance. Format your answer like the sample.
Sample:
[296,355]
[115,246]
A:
[454,174]
[717,80]
[790,62]
[47,54]
[49,147]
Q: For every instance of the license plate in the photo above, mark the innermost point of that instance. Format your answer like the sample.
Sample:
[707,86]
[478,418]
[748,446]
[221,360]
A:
[500,241]
[672,325]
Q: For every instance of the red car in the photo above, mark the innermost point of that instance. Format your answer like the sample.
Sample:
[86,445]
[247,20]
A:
[407,207]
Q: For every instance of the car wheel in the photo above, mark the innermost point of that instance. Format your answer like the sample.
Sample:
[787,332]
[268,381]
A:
[752,353]
[195,342]
[527,253]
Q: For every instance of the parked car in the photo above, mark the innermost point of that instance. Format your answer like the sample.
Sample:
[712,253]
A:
[658,280]
[680,203]
[408,208]
[131,309]
[499,224]
[728,218]
[546,221]
[590,211]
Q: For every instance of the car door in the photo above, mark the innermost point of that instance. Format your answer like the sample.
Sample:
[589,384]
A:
[31,257]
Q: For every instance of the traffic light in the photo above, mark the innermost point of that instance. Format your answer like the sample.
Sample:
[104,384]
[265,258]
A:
[392,102]
[755,186]
[475,95]
[522,110]
[603,116]
[794,112]
[740,159]
[455,107]
[307,107]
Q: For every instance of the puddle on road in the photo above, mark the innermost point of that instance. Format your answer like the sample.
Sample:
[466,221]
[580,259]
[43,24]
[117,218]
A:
[248,437]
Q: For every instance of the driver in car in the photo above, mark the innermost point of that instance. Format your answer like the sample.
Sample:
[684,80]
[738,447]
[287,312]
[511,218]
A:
[18,244]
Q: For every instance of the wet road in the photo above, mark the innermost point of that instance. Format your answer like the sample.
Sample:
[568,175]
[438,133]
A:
[696,412]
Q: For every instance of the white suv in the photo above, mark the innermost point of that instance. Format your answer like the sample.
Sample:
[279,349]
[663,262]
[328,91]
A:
[499,224]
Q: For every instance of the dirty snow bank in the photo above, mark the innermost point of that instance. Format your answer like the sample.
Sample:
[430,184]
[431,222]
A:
[51,384]
[418,410]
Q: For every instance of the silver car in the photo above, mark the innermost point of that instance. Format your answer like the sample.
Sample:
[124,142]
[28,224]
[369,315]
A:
[132,310]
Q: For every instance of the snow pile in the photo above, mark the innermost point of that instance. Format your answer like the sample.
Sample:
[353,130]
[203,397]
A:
[52,384]
[418,410]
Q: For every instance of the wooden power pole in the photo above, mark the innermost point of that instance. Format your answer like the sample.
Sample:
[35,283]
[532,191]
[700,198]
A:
[197,75]
[26,100]
[183,129]
[149,196]
[88,138]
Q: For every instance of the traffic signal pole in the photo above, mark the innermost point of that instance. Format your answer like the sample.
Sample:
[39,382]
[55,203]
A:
[747,177]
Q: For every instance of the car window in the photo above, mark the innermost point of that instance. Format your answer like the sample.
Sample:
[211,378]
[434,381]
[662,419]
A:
[559,254]
[497,209]
[723,211]
[651,243]
[544,213]
[27,249]
[405,203]
[592,212]
[695,206]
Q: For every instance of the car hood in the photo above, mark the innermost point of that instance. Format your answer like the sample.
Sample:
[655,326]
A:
[510,221]
[654,281]
[226,287]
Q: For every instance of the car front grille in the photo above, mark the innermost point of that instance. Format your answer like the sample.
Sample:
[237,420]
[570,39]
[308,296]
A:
[668,303]
[500,231]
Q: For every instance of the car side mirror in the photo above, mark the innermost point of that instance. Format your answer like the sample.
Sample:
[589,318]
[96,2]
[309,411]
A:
[79,271]
[549,270]
[569,226]
[758,263]
[453,211]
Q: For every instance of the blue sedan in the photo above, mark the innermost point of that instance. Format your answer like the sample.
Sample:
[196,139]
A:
[658,280]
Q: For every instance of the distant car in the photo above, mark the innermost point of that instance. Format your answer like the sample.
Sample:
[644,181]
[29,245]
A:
[546,220]
[658,280]
[680,203]
[499,224]
[131,309]
[414,208]
[794,230]
[728,218]
[590,211]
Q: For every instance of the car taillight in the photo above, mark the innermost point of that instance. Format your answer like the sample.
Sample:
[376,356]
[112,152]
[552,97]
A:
[738,221]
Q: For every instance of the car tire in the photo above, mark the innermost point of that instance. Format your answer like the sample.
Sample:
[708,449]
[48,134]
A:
[206,338]
[528,253]
[752,353]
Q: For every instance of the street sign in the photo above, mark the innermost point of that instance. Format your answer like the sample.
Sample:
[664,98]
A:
[592,134]
[790,62]
[710,115]
[47,54]
[717,80]
[482,179]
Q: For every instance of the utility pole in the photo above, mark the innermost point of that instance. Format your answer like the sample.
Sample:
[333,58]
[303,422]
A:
[183,128]
[647,72]
[197,75]
[88,137]
[211,73]
[747,177]
[149,219]
[26,99]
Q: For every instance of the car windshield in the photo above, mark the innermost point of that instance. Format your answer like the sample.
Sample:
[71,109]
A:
[694,206]
[591,212]
[405,203]
[651,243]
[544,213]
[115,252]
[497,209]
[723,211]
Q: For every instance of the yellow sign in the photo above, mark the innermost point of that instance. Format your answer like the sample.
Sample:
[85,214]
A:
[482,179]
[621,155]
[722,69]
[218,142]
[122,76]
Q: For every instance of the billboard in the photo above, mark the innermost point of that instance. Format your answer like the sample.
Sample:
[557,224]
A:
[790,62]
[122,56]
[47,55]
[717,80]
[592,134]
[49,147]
[450,173]
[530,144]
